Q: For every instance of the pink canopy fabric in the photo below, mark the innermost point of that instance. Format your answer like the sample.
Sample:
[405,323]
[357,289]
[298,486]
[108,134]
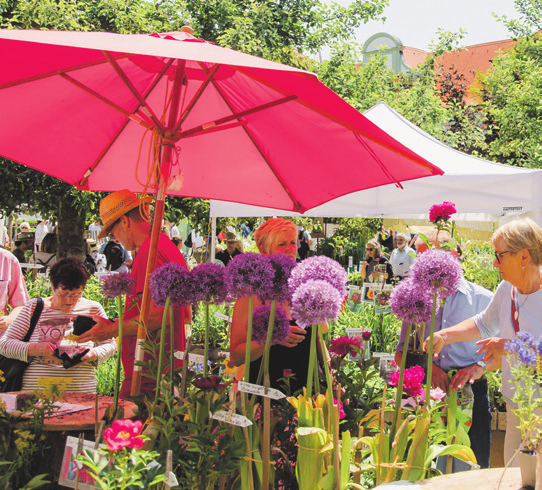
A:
[94,108]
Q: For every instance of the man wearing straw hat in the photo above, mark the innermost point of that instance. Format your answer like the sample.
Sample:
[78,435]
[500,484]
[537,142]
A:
[125,216]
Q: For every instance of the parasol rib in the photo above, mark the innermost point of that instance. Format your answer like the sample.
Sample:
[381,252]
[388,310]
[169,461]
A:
[337,120]
[83,181]
[137,95]
[88,90]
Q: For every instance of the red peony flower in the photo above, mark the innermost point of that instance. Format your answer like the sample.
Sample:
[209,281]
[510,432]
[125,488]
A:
[366,334]
[209,384]
[441,212]
[412,381]
[346,345]
[124,433]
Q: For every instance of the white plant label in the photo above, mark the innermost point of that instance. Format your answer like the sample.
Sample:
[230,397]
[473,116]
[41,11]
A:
[260,390]
[231,418]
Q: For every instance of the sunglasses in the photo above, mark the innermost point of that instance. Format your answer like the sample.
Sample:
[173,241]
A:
[498,255]
[369,249]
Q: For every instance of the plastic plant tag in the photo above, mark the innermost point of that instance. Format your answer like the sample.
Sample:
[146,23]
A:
[231,418]
[260,390]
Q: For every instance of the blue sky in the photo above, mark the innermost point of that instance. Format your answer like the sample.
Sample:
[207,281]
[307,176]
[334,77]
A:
[415,22]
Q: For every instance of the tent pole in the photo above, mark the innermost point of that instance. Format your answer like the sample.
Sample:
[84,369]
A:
[213,239]
[167,145]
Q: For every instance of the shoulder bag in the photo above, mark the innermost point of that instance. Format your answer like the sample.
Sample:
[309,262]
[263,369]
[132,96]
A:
[13,369]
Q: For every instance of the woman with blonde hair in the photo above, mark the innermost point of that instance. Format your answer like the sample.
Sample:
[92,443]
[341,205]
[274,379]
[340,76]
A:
[275,236]
[375,257]
[516,307]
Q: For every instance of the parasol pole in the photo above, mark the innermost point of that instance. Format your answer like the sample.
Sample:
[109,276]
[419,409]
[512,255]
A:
[167,144]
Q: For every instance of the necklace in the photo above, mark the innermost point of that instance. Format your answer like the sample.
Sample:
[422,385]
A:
[518,306]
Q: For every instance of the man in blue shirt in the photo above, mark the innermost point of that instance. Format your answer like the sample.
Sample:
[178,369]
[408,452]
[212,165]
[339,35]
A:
[465,303]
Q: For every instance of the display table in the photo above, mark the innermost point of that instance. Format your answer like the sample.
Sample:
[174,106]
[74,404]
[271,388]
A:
[478,479]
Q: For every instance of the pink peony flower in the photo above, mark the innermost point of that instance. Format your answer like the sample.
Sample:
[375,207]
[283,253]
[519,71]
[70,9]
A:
[441,212]
[345,345]
[286,373]
[412,381]
[124,433]
[366,334]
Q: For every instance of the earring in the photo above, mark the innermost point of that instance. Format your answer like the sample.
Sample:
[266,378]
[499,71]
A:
[523,267]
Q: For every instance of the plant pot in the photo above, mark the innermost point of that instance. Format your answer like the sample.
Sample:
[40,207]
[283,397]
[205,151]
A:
[527,465]
[417,359]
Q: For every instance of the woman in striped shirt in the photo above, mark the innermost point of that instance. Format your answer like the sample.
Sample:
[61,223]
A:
[55,326]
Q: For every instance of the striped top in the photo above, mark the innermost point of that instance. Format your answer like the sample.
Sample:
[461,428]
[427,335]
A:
[52,326]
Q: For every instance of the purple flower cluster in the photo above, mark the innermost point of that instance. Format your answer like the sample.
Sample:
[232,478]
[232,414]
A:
[208,284]
[411,303]
[526,348]
[115,285]
[171,280]
[249,274]
[437,271]
[282,266]
[260,325]
[315,301]
[319,268]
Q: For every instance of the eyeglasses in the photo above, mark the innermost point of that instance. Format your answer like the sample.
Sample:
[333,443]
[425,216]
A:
[498,255]
[369,249]
[66,295]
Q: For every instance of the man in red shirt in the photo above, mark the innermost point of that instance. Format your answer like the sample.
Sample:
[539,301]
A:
[125,216]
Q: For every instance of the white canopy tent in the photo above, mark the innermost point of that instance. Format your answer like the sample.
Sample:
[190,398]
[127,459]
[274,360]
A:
[485,193]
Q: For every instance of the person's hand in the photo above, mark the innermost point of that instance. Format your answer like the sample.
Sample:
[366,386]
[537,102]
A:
[4,323]
[42,349]
[439,379]
[90,356]
[492,347]
[466,375]
[438,343]
[104,329]
[296,336]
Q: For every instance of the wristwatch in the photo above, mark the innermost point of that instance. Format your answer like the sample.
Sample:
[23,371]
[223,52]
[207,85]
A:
[483,365]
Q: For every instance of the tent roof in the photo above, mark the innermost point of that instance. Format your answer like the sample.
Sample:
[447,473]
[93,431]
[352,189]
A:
[481,190]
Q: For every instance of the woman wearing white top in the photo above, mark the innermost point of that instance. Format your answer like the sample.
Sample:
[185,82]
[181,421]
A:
[68,279]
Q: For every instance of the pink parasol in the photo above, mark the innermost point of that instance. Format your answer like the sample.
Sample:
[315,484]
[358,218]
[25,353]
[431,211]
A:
[172,114]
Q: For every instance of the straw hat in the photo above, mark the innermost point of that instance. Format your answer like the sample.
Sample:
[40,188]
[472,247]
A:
[24,236]
[115,205]
[92,247]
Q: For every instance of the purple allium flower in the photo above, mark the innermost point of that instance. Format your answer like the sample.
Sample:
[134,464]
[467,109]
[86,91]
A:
[315,301]
[437,271]
[171,280]
[116,284]
[320,268]
[441,212]
[283,266]
[249,274]
[410,303]
[260,324]
[208,284]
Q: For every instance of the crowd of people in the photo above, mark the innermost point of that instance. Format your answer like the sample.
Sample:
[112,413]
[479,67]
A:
[471,328]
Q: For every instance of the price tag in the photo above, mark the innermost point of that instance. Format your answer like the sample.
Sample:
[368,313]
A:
[231,418]
[195,358]
[259,390]
[354,332]
[171,479]
[223,317]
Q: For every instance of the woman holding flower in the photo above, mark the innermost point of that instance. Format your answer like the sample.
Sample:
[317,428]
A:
[375,257]
[56,322]
[275,236]
[516,307]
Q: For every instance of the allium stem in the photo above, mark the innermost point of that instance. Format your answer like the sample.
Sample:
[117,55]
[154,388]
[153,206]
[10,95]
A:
[119,359]
[430,352]
[249,341]
[206,342]
[312,361]
[267,348]
[162,347]
[397,411]
[172,350]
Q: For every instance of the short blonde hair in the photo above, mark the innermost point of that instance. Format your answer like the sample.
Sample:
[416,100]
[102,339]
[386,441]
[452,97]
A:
[267,231]
[521,234]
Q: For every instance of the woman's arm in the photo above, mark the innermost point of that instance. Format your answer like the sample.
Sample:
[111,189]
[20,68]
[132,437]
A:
[466,330]
[238,340]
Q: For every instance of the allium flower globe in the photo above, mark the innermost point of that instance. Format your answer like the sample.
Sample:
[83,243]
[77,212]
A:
[437,271]
[173,281]
[315,301]
[208,284]
[319,268]
[249,274]
[116,285]
[260,325]
[410,303]
[283,266]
